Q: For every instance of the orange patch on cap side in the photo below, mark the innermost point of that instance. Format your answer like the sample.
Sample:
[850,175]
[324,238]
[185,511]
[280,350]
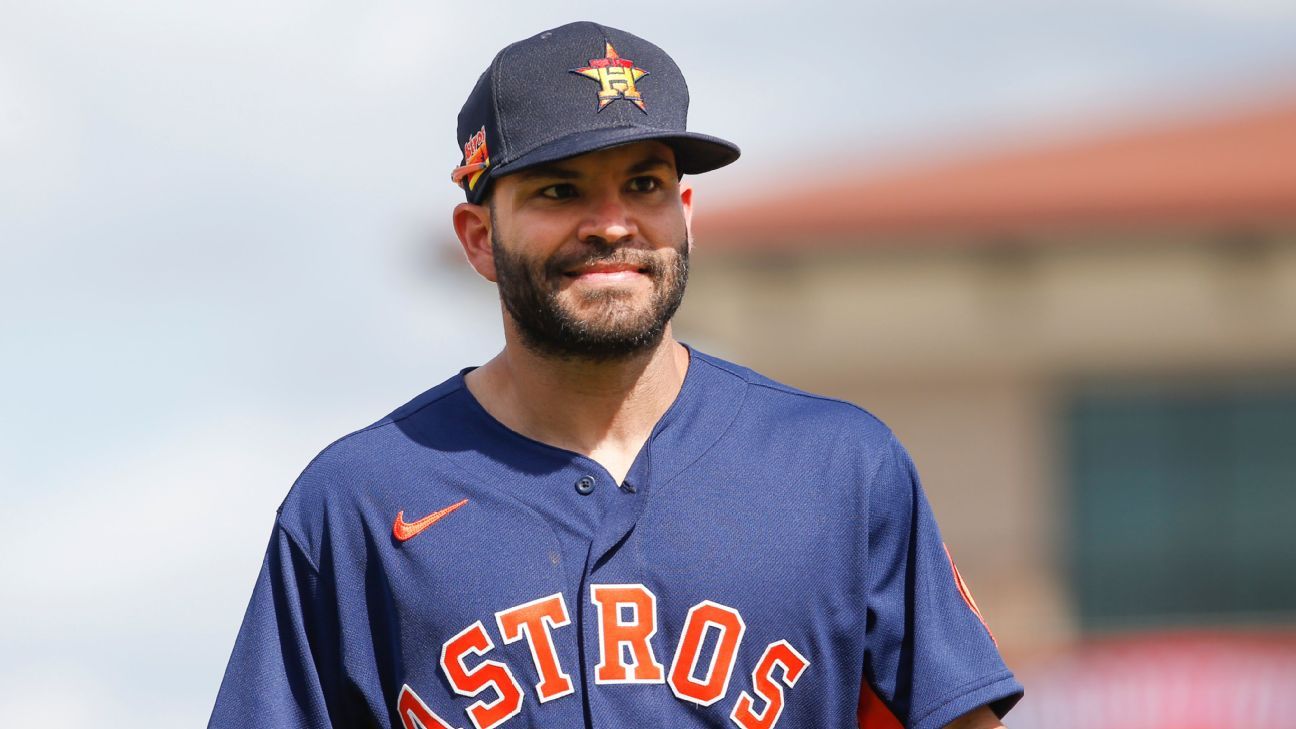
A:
[476,160]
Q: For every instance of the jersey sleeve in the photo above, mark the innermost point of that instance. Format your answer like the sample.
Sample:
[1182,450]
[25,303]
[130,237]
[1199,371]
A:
[929,656]
[274,677]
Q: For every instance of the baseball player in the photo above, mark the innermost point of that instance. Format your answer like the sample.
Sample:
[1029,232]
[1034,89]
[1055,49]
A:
[601,526]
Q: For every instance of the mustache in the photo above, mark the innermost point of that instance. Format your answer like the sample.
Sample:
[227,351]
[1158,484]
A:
[618,256]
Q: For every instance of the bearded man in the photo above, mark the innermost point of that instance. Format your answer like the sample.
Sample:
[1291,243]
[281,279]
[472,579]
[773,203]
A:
[606,527]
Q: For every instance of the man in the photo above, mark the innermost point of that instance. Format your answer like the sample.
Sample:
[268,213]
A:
[601,527]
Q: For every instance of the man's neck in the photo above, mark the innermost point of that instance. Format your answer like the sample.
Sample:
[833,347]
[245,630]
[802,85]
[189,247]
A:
[604,410]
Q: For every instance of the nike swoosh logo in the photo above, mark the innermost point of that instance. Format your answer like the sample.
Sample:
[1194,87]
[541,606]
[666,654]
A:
[403,530]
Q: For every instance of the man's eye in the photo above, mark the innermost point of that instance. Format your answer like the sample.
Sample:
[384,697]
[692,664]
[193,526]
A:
[645,184]
[558,192]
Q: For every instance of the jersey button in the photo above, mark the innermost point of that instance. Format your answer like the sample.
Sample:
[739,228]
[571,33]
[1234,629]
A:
[585,485]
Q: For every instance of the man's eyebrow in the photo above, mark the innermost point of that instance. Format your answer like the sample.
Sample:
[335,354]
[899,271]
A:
[548,172]
[650,163]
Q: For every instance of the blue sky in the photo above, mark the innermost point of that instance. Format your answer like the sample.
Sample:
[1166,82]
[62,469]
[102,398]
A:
[224,242]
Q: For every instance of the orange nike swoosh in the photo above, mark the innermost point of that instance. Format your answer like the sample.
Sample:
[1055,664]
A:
[402,530]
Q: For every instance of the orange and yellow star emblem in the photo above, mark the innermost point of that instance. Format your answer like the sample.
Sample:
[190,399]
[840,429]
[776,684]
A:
[616,77]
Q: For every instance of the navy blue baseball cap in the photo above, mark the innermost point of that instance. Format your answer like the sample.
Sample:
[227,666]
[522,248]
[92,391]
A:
[571,90]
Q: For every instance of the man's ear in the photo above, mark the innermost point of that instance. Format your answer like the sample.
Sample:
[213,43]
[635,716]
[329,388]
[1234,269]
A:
[472,223]
[686,200]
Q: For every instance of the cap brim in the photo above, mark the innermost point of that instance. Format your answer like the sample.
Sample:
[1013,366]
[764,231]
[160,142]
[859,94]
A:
[694,153]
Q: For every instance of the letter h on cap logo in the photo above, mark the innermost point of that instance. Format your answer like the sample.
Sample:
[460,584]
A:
[616,77]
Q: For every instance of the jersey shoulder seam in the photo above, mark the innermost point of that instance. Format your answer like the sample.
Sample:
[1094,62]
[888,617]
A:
[382,422]
[296,544]
[391,419]
[746,375]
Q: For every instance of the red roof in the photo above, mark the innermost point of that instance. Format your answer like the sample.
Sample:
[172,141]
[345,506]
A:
[1230,170]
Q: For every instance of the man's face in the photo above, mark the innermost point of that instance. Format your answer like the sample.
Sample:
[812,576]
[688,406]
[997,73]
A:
[591,253]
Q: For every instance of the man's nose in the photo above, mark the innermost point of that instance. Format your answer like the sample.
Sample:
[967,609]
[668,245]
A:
[608,220]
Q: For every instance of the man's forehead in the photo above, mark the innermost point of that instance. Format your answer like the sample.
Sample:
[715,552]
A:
[635,157]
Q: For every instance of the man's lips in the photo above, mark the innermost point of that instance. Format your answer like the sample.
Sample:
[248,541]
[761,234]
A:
[607,272]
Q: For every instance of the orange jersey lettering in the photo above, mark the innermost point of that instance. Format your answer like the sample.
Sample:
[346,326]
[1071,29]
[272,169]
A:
[635,634]
[536,620]
[712,687]
[779,654]
[414,714]
[488,674]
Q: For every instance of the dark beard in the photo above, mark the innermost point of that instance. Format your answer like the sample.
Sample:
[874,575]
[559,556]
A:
[530,294]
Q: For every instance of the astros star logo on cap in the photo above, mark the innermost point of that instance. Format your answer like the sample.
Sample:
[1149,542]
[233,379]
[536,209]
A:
[616,76]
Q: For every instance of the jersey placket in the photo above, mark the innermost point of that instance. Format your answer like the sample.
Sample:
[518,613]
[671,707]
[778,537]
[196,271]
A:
[608,563]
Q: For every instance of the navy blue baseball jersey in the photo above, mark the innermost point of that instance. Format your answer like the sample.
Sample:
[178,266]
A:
[769,553]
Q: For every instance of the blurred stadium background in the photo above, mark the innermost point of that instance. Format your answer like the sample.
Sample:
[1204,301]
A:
[1089,346]
[1054,247]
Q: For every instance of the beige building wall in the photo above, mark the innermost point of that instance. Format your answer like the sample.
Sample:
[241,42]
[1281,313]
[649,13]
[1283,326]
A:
[969,352]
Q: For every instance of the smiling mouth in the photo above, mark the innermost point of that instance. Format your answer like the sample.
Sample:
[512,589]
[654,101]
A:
[607,272]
